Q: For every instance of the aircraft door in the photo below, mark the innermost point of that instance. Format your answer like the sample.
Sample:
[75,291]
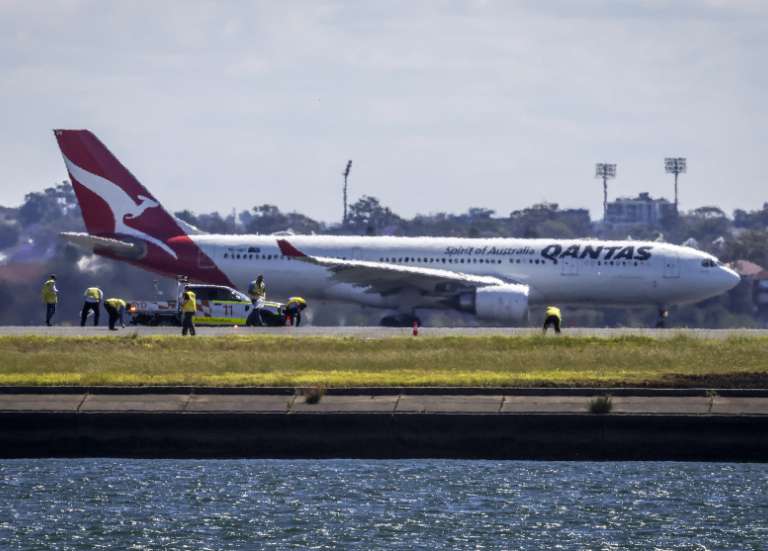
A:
[671,266]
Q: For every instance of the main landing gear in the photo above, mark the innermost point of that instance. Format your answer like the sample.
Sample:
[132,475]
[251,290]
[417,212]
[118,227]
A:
[661,322]
[400,320]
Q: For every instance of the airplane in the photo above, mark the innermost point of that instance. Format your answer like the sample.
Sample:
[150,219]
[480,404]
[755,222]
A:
[494,279]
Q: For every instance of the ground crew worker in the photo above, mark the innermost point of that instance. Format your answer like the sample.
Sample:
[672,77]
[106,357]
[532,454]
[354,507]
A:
[188,309]
[553,318]
[93,298]
[115,308]
[293,309]
[257,290]
[50,298]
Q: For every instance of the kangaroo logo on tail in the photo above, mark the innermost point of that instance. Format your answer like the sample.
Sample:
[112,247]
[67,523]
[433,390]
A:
[123,206]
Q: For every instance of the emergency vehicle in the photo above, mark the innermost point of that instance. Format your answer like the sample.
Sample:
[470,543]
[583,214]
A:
[216,305]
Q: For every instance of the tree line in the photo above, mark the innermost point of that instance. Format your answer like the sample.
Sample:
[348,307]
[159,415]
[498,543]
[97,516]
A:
[29,234]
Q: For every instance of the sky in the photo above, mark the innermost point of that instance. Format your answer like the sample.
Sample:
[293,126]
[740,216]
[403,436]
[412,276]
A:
[441,105]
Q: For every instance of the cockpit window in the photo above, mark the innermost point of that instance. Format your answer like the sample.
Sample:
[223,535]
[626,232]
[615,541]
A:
[708,263]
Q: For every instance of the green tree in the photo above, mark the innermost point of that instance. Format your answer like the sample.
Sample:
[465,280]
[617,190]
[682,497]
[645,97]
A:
[9,235]
[367,215]
[50,205]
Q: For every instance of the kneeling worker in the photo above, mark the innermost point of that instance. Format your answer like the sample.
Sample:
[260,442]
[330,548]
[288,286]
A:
[188,309]
[553,318]
[93,298]
[115,308]
[293,309]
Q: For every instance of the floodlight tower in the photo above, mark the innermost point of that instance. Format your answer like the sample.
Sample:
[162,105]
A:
[346,176]
[606,171]
[676,166]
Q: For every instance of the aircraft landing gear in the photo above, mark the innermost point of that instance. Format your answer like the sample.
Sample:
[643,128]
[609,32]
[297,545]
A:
[661,322]
[399,320]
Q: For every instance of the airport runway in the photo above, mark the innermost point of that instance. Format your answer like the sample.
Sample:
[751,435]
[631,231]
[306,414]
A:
[374,332]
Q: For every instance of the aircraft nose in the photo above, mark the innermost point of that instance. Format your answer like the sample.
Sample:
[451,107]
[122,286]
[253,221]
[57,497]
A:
[730,278]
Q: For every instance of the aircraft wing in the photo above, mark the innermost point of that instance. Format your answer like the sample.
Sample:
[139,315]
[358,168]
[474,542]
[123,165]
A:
[386,278]
[95,243]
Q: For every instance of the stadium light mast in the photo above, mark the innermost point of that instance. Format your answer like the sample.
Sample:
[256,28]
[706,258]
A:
[346,176]
[606,171]
[676,166]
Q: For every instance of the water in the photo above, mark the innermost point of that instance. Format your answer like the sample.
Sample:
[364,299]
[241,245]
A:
[343,504]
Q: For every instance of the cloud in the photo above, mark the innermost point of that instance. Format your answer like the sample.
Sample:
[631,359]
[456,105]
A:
[498,104]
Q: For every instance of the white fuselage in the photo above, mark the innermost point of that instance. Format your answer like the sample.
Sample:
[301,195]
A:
[557,271]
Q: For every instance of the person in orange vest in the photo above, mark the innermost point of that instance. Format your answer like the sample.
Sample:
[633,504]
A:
[50,298]
[188,309]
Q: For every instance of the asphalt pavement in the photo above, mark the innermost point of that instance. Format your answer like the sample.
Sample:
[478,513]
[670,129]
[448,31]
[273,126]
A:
[374,332]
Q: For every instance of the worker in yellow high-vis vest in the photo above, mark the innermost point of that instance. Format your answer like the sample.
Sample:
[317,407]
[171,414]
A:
[92,300]
[115,308]
[50,298]
[552,317]
[257,290]
[188,309]
[293,309]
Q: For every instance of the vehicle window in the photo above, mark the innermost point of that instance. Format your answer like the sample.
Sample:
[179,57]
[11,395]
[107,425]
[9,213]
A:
[237,295]
[201,293]
[219,293]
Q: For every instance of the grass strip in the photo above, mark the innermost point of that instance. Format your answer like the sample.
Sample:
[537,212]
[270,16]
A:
[496,361]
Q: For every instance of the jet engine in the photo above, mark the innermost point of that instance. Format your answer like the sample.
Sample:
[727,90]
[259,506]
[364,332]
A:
[506,303]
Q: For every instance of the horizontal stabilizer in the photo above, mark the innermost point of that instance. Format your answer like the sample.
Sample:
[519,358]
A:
[95,243]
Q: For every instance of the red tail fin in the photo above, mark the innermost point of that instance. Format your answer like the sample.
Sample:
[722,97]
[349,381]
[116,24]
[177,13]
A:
[112,200]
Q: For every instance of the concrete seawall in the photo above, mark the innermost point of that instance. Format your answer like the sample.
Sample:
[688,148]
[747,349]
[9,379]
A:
[689,426]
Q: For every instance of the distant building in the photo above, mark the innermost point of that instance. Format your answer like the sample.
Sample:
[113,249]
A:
[753,289]
[642,210]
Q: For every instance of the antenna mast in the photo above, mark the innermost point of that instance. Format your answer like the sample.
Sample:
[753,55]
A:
[605,172]
[346,176]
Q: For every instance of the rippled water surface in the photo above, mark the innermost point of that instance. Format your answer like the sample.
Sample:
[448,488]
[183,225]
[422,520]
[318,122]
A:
[340,504]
